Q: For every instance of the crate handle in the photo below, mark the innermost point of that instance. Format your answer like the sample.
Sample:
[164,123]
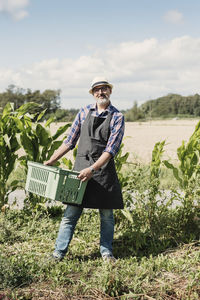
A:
[80,184]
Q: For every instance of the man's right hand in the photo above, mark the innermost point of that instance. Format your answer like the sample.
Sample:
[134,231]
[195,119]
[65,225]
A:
[49,163]
[63,149]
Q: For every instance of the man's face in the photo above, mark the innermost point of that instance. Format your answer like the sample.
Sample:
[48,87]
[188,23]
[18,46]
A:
[102,94]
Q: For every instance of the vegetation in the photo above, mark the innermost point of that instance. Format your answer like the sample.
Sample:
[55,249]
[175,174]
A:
[157,234]
[20,129]
[49,101]
[26,272]
[169,106]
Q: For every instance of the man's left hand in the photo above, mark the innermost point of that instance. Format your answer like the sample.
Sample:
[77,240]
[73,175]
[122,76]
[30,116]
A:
[85,174]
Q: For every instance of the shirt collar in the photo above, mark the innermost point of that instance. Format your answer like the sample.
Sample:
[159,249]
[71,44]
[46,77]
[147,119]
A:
[108,109]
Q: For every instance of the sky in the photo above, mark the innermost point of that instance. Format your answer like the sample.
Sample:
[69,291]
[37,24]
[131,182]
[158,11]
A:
[145,48]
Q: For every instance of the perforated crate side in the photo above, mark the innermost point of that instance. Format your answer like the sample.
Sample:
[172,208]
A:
[55,183]
[73,189]
[43,180]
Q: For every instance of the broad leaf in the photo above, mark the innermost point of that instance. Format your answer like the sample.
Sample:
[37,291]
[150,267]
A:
[60,131]
[41,115]
[49,121]
[42,135]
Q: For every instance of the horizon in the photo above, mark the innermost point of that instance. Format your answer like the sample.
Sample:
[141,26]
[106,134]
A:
[112,102]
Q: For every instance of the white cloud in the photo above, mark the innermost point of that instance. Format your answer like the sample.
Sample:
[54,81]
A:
[174,17]
[15,8]
[139,71]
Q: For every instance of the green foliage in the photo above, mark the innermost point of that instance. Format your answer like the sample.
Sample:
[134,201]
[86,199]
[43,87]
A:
[150,223]
[134,114]
[169,106]
[156,160]
[35,139]
[67,162]
[151,213]
[187,173]
[145,214]
[120,161]
[172,105]
[49,100]
[17,271]
[20,129]
[26,272]
[8,148]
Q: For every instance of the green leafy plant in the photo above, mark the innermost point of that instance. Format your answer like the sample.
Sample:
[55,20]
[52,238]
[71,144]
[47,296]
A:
[36,140]
[20,129]
[187,174]
[146,213]
[68,162]
[120,161]
[8,148]
[38,143]
[188,171]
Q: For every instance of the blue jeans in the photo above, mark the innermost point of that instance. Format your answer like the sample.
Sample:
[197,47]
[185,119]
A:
[68,224]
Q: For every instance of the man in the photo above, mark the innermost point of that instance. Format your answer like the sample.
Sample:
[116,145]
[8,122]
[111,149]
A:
[100,127]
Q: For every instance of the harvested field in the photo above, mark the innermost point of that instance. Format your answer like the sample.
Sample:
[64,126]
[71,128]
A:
[140,137]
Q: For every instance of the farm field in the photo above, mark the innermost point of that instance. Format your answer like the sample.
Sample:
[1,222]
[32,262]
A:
[140,137]
[155,259]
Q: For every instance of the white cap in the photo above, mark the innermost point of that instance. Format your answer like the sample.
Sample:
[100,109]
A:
[99,81]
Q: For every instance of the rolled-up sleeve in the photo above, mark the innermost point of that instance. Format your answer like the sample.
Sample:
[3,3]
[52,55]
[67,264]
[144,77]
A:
[116,135]
[74,132]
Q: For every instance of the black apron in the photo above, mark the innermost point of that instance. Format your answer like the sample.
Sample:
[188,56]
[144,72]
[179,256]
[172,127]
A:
[103,189]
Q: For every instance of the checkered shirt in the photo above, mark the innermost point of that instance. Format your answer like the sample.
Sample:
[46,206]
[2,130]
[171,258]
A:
[116,127]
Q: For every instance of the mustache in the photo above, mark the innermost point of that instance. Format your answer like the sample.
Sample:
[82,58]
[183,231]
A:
[104,96]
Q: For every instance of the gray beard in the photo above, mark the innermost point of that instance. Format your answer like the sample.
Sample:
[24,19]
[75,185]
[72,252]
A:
[102,101]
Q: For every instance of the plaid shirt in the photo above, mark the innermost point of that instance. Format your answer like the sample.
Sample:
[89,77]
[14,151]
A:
[116,127]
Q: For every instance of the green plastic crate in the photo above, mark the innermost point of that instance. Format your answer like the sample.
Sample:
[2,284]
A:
[55,183]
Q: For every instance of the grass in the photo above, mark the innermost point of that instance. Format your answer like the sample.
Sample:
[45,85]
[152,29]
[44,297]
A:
[26,240]
[156,246]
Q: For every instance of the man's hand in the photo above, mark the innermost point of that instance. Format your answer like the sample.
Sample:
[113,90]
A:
[63,149]
[49,163]
[85,174]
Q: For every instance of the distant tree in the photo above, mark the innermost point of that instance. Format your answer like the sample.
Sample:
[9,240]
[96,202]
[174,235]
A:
[134,113]
[12,94]
[49,99]
[170,105]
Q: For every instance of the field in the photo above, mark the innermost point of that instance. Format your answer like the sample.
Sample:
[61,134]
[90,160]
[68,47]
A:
[156,243]
[140,137]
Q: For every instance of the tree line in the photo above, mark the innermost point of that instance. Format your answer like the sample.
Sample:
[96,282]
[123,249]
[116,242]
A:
[169,106]
[49,101]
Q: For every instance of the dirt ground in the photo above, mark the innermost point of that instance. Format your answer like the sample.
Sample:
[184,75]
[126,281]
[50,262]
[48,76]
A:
[140,137]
